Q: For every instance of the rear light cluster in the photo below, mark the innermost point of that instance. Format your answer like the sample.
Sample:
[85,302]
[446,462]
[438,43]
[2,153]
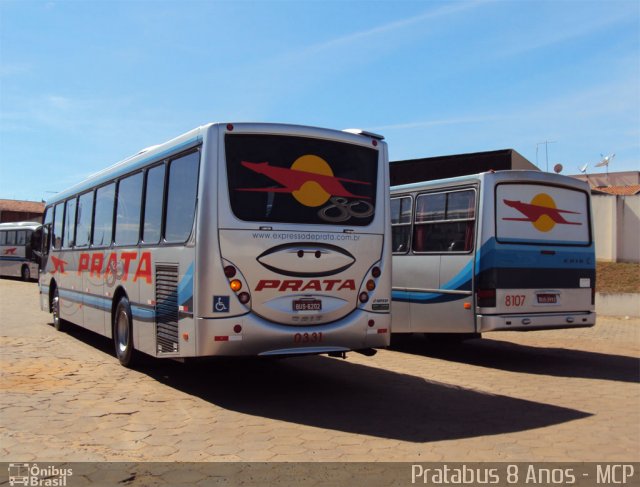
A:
[370,284]
[237,284]
[486,298]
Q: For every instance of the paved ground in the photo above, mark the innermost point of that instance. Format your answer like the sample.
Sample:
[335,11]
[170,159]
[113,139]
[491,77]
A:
[569,395]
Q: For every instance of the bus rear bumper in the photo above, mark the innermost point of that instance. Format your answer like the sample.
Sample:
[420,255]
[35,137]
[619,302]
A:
[260,337]
[530,322]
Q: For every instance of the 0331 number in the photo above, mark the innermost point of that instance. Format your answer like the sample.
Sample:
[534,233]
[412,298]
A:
[307,337]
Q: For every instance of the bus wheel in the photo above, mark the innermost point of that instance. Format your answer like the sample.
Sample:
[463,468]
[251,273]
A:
[55,309]
[123,333]
[25,273]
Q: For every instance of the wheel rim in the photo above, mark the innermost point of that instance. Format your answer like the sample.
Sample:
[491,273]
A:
[122,332]
[56,309]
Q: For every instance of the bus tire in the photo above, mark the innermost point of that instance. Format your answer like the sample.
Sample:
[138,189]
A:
[123,333]
[25,273]
[55,309]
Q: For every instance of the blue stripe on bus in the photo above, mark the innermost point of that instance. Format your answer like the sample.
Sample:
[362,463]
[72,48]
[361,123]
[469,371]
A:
[460,282]
[14,259]
[185,288]
[425,297]
[500,255]
[494,255]
[139,312]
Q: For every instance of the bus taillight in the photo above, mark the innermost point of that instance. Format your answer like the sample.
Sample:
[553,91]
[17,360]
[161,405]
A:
[486,298]
[236,282]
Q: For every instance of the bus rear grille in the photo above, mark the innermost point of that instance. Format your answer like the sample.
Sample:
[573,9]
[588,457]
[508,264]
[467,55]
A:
[167,308]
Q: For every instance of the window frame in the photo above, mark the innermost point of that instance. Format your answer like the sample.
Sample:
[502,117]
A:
[165,197]
[447,192]
[408,224]
[145,190]
[114,230]
[93,207]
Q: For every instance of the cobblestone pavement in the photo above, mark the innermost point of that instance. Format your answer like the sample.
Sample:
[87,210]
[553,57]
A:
[565,395]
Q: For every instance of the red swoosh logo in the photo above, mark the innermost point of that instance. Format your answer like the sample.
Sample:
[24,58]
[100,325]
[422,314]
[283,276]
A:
[292,180]
[533,212]
[58,264]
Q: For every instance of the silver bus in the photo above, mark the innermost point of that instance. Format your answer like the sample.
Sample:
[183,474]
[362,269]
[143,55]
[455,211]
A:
[504,250]
[232,239]
[18,257]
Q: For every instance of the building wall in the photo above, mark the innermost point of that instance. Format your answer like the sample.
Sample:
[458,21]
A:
[8,216]
[616,221]
[628,213]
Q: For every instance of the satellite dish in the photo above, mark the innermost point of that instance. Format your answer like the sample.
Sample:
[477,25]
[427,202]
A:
[583,169]
[605,160]
[558,168]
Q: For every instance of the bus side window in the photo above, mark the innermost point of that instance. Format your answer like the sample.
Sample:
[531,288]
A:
[83,226]
[68,238]
[11,237]
[3,238]
[445,222]
[57,226]
[45,243]
[181,197]
[152,226]
[127,231]
[21,237]
[400,224]
[103,218]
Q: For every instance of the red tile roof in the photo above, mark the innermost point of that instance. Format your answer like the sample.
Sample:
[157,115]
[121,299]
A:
[22,206]
[618,190]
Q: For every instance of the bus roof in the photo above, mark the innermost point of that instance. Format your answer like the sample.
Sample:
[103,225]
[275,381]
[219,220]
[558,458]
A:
[187,141]
[497,176]
[20,225]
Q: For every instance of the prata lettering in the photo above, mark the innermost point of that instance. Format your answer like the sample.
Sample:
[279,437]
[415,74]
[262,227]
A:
[297,285]
[95,265]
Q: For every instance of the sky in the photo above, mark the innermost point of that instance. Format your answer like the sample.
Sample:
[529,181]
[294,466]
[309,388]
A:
[84,84]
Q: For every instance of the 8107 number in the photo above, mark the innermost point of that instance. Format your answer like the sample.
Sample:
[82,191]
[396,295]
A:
[514,300]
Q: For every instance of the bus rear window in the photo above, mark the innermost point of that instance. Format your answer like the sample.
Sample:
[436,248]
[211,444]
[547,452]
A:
[288,179]
[539,214]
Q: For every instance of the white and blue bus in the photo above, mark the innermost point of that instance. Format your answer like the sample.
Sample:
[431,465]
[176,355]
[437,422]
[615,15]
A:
[17,256]
[505,250]
[232,239]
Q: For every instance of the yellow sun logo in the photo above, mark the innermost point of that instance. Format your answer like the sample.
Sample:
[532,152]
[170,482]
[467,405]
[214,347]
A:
[311,193]
[544,223]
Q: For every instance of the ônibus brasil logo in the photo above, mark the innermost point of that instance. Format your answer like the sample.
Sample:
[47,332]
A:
[310,180]
[542,213]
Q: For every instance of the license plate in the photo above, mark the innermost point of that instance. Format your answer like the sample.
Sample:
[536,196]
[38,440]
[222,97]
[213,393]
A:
[547,298]
[307,305]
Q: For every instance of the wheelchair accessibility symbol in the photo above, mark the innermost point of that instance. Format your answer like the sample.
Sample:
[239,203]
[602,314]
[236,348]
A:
[221,304]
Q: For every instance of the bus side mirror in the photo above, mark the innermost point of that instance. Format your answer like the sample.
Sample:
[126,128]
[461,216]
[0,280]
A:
[34,245]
